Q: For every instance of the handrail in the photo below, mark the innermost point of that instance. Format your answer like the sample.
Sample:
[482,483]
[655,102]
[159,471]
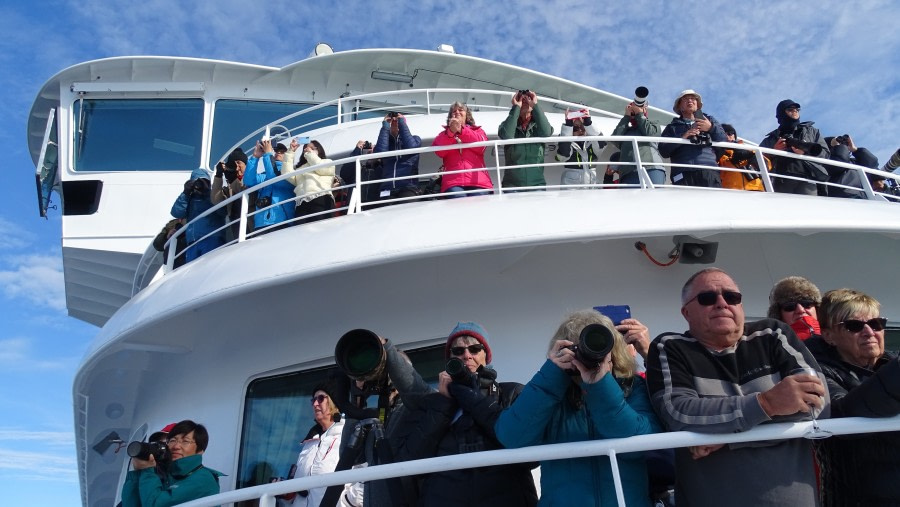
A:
[609,447]
[427,108]
[356,206]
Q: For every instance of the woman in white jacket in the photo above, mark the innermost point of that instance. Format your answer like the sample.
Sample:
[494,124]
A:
[319,452]
[312,188]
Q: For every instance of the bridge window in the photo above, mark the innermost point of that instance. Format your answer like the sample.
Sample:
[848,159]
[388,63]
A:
[277,415]
[137,134]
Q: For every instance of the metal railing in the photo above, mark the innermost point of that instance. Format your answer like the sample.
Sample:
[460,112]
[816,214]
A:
[356,190]
[266,493]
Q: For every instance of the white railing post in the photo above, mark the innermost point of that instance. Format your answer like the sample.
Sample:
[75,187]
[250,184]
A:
[242,221]
[617,479]
[340,102]
[639,165]
[497,166]
[764,171]
[355,205]
[267,500]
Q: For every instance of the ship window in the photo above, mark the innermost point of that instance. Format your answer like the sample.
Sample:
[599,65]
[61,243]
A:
[236,119]
[137,134]
[277,415]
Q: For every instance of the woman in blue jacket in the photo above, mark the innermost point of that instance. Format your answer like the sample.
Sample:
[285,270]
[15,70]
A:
[264,165]
[568,401]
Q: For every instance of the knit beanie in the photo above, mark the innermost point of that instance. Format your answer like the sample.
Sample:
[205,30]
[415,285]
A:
[469,329]
[792,288]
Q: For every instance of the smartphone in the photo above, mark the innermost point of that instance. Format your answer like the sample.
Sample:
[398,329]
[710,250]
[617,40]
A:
[302,140]
[581,113]
[616,313]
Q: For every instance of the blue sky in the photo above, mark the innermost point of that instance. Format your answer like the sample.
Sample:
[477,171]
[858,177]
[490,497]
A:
[838,59]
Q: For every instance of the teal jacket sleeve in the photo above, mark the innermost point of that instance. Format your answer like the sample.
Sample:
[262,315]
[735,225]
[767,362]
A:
[614,416]
[524,423]
[197,485]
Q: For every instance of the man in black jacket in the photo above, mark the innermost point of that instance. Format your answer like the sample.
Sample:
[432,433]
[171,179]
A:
[843,149]
[800,138]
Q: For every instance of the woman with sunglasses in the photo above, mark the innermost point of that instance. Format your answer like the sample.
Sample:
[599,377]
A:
[459,419]
[568,401]
[863,381]
[793,300]
[319,450]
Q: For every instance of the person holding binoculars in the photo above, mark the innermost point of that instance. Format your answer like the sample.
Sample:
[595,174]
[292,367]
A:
[586,389]
[190,204]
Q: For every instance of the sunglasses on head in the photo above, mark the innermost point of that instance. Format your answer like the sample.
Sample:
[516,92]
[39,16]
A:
[709,297]
[855,326]
[791,305]
[473,349]
[320,398]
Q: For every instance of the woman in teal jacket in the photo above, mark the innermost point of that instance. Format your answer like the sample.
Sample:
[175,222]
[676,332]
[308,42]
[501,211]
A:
[607,401]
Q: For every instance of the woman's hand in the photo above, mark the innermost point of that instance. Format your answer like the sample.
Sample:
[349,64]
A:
[444,381]
[267,146]
[561,355]
[294,145]
[455,125]
[635,334]
[591,376]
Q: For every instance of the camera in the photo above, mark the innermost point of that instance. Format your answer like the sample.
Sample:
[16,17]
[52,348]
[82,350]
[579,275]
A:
[640,96]
[812,149]
[200,186]
[393,114]
[367,145]
[361,356]
[263,202]
[701,139]
[457,370]
[892,163]
[596,342]
[143,450]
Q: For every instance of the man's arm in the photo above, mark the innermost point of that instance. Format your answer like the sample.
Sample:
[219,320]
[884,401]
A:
[671,380]
[507,129]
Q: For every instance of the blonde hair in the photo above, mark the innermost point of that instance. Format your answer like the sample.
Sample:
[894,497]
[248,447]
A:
[573,323]
[840,304]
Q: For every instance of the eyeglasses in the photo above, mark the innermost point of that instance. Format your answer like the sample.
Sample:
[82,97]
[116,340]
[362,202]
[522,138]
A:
[473,349]
[319,398]
[709,297]
[791,305]
[792,108]
[855,326]
[179,441]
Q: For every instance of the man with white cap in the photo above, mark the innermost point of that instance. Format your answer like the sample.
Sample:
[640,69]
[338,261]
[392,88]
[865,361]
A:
[701,130]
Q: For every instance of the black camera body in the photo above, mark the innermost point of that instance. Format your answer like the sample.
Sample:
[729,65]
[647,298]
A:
[201,186]
[457,370]
[812,149]
[367,145]
[143,450]
[263,201]
[701,139]
[596,343]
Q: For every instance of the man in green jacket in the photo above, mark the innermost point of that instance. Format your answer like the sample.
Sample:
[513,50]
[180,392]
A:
[184,477]
[525,120]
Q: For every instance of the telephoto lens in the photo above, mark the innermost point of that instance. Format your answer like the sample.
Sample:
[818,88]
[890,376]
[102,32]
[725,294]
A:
[596,341]
[360,355]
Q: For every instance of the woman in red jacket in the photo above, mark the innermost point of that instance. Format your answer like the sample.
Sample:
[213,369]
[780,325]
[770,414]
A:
[461,129]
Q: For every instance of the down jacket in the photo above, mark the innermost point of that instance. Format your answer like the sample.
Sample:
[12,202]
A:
[311,184]
[859,470]
[465,423]
[398,167]
[463,158]
[260,170]
[544,414]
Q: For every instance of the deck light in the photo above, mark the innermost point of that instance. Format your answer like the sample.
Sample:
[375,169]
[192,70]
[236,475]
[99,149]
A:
[399,77]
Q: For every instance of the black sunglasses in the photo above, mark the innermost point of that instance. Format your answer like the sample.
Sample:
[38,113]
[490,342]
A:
[320,398]
[473,349]
[855,326]
[791,305]
[709,297]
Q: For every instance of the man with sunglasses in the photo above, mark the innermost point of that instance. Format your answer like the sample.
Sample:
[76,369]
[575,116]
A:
[863,381]
[800,138]
[460,418]
[725,376]
[185,478]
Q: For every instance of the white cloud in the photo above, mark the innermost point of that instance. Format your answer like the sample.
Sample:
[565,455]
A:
[17,354]
[13,236]
[40,466]
[36,278]
[52,438]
